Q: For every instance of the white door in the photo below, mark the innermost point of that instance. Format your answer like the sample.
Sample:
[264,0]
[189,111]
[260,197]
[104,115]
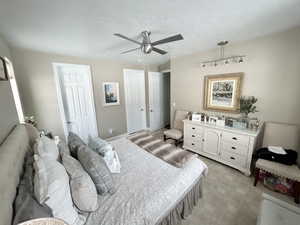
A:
[211,141]
[76,99]
[156,100]
[134,83]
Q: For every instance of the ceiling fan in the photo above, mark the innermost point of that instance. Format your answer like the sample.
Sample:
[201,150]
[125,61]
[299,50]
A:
[146,45]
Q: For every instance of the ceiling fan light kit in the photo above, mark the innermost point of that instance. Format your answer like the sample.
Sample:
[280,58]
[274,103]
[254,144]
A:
[146,46]
[222,60]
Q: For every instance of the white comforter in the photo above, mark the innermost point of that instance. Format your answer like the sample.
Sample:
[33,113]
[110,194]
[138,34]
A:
[147,187]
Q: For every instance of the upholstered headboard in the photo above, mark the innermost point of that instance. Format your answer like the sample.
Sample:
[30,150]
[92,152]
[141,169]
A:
[12,153]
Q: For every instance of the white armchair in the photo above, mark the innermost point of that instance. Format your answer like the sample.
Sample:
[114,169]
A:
[176,133]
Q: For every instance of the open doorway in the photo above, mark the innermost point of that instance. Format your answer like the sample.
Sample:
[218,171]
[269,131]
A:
[75,98]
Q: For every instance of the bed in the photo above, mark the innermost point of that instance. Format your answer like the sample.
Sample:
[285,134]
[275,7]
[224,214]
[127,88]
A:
[149,190]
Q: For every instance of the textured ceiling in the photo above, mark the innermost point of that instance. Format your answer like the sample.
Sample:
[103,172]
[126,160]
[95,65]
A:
[85,27]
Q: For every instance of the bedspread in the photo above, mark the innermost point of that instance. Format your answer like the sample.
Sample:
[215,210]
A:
[147,188]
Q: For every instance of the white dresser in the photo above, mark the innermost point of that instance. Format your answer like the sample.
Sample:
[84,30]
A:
[233,147]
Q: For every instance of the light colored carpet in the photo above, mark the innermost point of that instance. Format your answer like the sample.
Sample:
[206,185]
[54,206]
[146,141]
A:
[229,197]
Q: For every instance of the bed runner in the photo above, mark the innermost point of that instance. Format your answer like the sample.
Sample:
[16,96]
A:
[165,151]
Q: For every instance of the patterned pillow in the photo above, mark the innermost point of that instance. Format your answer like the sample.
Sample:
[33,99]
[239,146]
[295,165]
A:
[63,148]
[97,169]
[83,190]
[99,145]
[74,142]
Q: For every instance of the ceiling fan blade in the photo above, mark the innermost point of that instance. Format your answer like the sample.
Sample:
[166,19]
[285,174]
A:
[127,38]
[131,50]
[168,39]
[162,52]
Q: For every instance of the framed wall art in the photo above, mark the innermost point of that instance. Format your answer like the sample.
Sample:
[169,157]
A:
[111,93]
[222,92]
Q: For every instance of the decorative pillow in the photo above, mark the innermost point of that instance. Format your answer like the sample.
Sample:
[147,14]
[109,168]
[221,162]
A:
[59,197]
[97,169]
[26,207]
[63,148]
[99,145]
[112,161]
[45,147]
[40,180]
[74,142]
[83,190]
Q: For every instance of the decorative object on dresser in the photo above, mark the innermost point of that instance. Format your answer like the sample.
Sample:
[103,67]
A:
[247,105]
[227,145]
[176,133]
[222,92]
[3,69]
[286,136]
[111,93]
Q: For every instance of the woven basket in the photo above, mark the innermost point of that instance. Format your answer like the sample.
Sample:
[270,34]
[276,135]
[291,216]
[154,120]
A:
[44,221]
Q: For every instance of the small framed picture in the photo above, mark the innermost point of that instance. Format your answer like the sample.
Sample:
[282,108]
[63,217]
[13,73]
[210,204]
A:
[111,93]
[3,69]
[196,117]
[213,120]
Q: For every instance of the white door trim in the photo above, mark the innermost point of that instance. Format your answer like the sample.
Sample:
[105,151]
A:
[126,98]
[59,95]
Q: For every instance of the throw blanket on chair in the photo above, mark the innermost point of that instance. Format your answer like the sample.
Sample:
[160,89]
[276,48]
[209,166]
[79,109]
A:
[165,151]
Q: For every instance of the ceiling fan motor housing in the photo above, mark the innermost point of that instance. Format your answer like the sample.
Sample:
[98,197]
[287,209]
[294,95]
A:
[146,45]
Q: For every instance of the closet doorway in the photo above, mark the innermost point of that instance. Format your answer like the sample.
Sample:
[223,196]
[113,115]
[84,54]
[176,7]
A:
[159,100]
[134,85]
[76,100]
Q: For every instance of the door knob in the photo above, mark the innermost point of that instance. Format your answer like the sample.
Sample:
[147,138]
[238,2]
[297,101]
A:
[69,122]
[142,109]
[151,110]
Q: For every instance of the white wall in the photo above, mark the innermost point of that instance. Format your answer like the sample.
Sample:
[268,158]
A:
[272,74]
[8,113]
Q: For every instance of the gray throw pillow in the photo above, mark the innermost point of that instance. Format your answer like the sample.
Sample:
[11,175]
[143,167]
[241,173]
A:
[63,148]
[99,145]
[83,190]
[97,169]
[26,206]
[74,142]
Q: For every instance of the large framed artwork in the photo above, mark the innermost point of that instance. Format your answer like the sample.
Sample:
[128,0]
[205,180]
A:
[111,93]
[222,92]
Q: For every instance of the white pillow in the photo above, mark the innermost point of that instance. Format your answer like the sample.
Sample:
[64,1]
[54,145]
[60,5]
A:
[112,161]
[58,191]
[45,147]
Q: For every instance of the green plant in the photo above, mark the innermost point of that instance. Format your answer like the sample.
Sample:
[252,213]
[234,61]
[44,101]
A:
[247,105]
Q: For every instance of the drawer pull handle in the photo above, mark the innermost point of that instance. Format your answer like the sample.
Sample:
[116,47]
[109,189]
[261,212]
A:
[193,128]
[193,144]
[233,148]
[193,136]
[232,158]
[234,138]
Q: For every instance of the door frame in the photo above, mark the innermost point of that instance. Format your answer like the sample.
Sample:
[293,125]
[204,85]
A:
[126,97]
[59,95]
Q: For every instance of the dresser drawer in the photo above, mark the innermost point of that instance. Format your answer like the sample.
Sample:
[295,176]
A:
[235,138]
[193,137]
[234,148]
[193,129]
[235,159]
[193,145]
